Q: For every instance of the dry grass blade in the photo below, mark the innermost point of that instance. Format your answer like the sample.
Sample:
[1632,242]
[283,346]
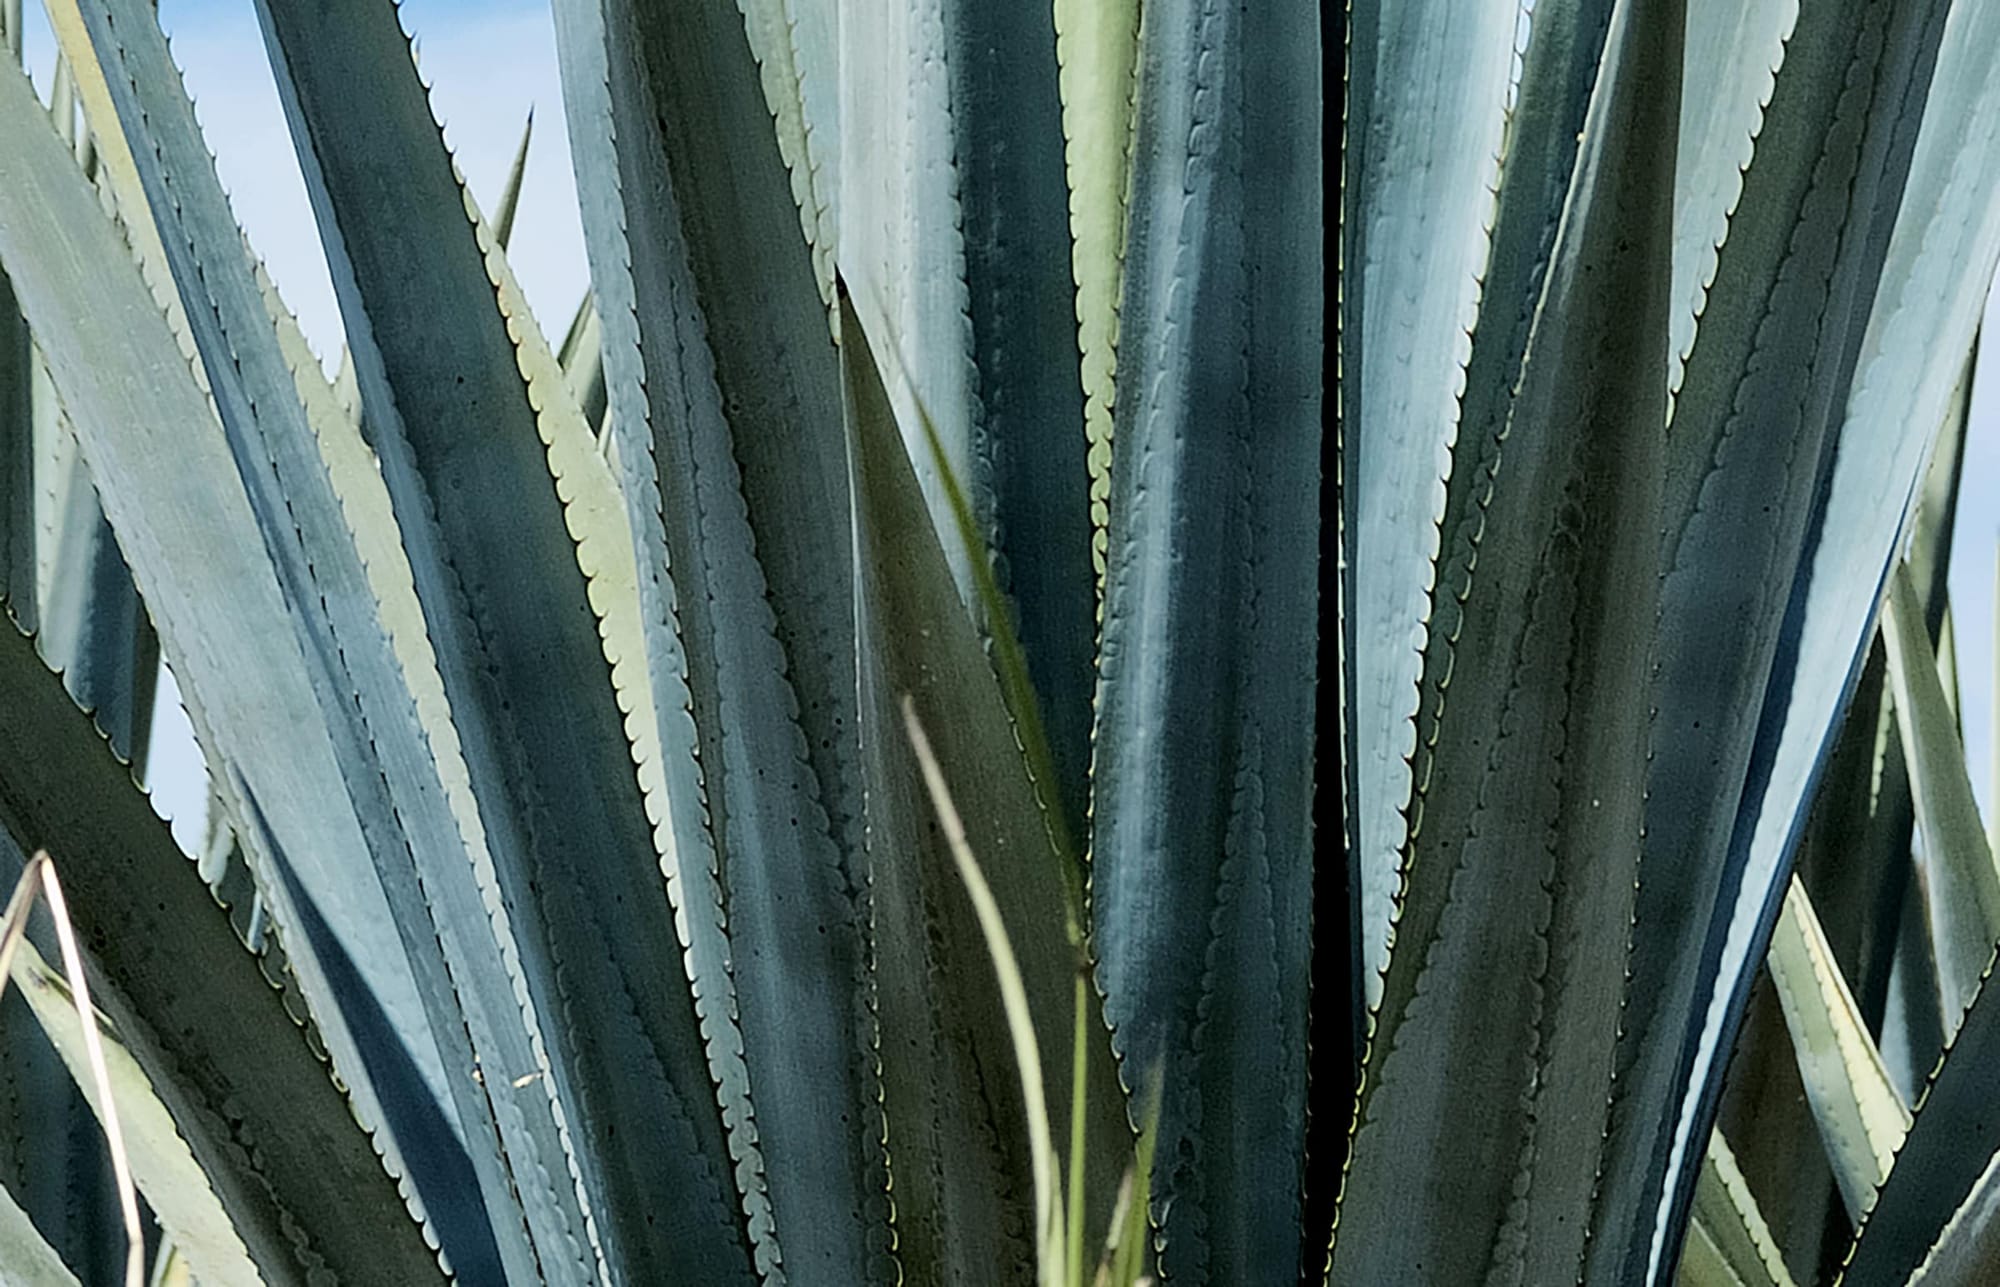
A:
[41,872]
[1049,1236]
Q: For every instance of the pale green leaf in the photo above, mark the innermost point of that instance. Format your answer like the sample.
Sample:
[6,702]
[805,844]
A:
[1960,883]
[1428,88]
[1096,50]
[1725,1211]
[28,1260]
[1861,1119]
[162,1167]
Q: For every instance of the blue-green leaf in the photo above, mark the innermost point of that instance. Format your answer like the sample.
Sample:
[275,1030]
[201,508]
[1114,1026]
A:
[1427,98]
[188,531]
[247,1089]
[722,385]
[1029,475]
[1530,827]
[283,447]
[963,1181]
[464,455]
[1751,444]
[1201,871]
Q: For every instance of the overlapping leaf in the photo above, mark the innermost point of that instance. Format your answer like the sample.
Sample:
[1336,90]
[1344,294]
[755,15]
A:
[247,1089]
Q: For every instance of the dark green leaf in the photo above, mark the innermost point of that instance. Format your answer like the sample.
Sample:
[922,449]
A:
[957,1134]
[1533,788]
[722,384]
[254,1101]
[1202,846]
[1751,449]
[464,455]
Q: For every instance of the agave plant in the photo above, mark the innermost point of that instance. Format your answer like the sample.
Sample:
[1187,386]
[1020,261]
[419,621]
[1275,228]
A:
[780,786]
[557,718]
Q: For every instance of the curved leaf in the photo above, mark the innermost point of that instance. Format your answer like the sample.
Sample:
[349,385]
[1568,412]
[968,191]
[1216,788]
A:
[1960,883]
[956,1117]
[1201,849]
[304,1186]
[1750,450]
[1860,1117]
[453,405]
[1530,824]
[1427,112]
[189,532]
[721,380]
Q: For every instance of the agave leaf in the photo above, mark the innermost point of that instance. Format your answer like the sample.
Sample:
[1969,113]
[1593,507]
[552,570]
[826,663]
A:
[955,1112]
[52,1156]
[81,1180]
[1912,1019]
[1726,1218]
[1966,1248]
[1753,439]
[17,459]
[303,1185]
[94,628]
[903,248]
[1531,820]
[720,374]
[1427,89]
[1096,54]
[97,631]
[1735,51]
[1854,863]
[1855,856]
[29,1259]
[1768,1115]
[1702,1264]
[1934,522]
[54,459]
[1860,1117]
[1030,479]
[510,196]
[1944,248]
[300,455]
[1130,1237]
[797,56]
[1962,887]
[162,1166]
[1201,875]
[1953,1136]
[1565,44]
[582,358]
[115,160]
[1050,1237]
[190,535]
[441,362]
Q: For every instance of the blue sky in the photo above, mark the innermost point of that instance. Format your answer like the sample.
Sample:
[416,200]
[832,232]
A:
[1974,550]
[490,61]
